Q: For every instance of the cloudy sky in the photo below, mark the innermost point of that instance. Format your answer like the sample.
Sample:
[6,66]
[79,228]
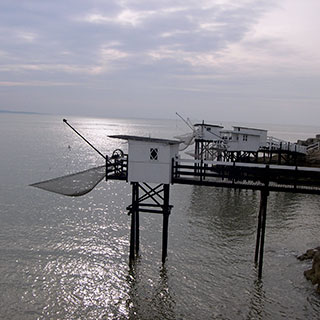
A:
[244,60]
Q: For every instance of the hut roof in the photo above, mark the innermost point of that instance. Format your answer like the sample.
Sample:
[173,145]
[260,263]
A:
[145,139]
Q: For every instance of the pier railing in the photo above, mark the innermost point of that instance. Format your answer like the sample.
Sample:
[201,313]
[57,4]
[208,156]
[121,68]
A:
[278,144]
[117,168]
[241,175]
[312,147]
[247,175]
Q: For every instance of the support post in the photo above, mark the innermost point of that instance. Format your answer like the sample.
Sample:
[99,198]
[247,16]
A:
[280,154]
[256,159]
[132,238]
[134,225]
[137,231]
[261,230]
[197,154]
[256,256]
[166,213]
[152,200]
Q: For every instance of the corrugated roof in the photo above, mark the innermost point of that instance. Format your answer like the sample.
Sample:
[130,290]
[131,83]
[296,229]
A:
[145,139]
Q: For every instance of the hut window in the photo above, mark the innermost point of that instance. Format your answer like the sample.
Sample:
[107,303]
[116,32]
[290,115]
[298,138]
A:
[153,153]
[245,137]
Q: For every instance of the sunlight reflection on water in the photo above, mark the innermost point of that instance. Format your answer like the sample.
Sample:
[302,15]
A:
[67,258]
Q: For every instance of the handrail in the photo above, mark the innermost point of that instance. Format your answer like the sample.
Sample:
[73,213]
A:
[247,176]
[314,146]
[246,165]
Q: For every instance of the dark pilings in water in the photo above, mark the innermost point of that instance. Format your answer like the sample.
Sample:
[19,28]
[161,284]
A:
[134,231]
[166,212]
[152,200]
[136,209]
[132,238]
[256,256]
[261,231]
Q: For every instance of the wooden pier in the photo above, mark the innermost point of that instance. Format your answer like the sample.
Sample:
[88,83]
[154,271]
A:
[254,176]
[152,164]
[236,175]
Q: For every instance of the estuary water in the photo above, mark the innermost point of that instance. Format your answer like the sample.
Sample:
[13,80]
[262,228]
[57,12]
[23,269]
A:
[67,258]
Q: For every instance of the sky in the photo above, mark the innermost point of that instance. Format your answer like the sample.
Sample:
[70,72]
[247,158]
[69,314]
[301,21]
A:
[225,60]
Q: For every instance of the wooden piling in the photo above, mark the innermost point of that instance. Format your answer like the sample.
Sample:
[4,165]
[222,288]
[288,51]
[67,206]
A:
[132,238]
[264,194]
[256,256]
[137,225]
[166,212]
[261,230]
[134,231]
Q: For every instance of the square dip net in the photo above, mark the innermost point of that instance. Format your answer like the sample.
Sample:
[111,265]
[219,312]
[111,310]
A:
[74,185]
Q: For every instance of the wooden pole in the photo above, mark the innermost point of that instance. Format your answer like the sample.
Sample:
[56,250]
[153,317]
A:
[279,154]
[133,224]
[137,218]
[196,155]
[83,138]
[166,212]
[264,200]
[132,238]
[256,256]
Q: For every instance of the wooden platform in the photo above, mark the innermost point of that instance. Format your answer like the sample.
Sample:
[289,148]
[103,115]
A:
[223,174]
[252,176]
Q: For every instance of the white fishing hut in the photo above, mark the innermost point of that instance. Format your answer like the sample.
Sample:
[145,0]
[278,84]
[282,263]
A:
[150,159]
[208,132]
[244,138]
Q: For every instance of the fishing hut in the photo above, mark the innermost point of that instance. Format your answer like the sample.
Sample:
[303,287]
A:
[151,165]
[243,143]
[149,170]
[244,139]
[208,141]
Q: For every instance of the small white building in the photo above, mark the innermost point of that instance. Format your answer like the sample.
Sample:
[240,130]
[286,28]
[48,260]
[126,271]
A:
[244,139]
[208,132]
[150,159]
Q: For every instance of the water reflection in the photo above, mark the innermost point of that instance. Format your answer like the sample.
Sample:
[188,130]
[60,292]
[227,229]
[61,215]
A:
[67,258]
[148,298]
[228,212]
[257,301]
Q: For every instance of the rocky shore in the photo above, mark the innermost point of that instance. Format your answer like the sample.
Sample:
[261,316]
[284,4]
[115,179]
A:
[313,274]
[312,159]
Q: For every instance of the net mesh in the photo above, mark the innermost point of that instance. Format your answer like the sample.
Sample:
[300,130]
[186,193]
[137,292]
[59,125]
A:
[74,185]
[186,140]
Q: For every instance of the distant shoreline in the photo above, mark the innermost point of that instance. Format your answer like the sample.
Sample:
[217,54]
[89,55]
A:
[19,112]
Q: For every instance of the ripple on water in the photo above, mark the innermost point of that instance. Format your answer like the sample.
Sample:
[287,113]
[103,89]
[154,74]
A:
[64,258]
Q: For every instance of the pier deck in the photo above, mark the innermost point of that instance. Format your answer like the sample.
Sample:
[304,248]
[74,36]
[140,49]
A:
[223,174]
[252,176]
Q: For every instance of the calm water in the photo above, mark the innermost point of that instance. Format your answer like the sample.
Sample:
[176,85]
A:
[67,258]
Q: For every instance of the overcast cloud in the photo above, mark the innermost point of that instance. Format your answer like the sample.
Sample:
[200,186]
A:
[246,60]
